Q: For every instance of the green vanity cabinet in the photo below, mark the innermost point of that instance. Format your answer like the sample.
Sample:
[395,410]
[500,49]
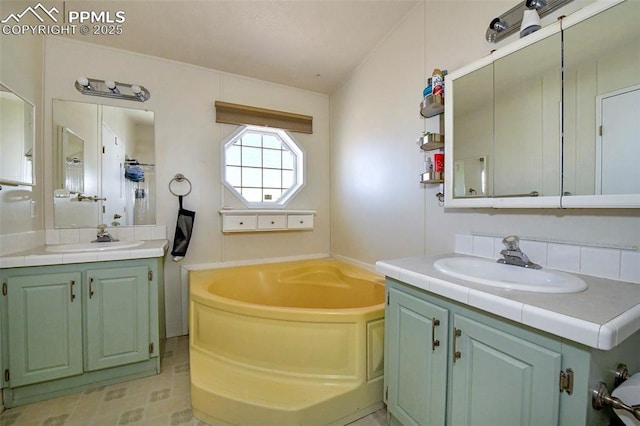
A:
[72,327]
[448,364]
[44,327]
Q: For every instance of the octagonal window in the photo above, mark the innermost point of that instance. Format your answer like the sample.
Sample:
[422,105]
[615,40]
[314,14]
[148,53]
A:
[263,166]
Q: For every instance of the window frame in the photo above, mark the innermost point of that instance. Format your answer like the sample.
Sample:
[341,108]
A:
[299,165]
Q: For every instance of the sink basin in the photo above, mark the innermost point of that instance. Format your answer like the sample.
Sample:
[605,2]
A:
[490,273]
[87,247]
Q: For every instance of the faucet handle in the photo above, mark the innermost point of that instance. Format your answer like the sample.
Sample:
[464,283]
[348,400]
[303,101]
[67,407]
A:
[102,227]
[512,242]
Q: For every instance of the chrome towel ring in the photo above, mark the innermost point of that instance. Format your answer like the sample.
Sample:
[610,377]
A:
[180,178]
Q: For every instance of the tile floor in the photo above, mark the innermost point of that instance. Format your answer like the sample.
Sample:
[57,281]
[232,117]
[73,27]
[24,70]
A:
[154,401]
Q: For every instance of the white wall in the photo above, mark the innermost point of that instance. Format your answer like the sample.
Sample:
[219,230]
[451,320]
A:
[187,141]
[379,210]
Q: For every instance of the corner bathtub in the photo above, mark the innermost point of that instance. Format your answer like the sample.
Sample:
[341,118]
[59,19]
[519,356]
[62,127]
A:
[292,343]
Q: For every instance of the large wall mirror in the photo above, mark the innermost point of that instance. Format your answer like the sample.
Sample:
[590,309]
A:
[509,112]
[17,136]
[104,171]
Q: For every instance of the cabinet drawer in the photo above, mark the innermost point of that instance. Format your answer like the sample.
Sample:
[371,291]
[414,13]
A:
[240,223]
[300,221]
[275,221]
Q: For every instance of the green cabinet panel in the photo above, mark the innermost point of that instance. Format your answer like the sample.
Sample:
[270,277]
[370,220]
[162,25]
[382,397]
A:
[44,327]
[416,348]
[501,379]
[117,316]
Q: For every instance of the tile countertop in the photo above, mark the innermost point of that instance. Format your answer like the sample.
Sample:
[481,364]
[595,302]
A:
[600,317]
[40,257]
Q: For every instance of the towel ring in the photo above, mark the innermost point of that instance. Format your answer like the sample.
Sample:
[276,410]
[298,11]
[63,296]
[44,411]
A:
[180,178]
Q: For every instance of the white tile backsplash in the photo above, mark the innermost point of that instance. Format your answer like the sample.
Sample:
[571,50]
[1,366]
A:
[612,263]
[483,246]
[565,257]
[630,266]
[464,244]
[600,262]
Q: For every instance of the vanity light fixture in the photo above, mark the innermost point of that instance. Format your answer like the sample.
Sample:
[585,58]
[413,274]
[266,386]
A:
[512,20]
[112,89]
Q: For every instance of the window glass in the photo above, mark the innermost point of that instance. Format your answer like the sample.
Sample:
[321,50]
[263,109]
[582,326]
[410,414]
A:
[263,166]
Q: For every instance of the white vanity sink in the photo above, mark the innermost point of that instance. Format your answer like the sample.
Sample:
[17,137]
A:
[491,273]
[89,247]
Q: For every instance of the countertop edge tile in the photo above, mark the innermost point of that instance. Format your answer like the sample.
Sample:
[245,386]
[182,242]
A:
[571,328]
[607,336]
[79,257]
[416,279]
[626,323]
[11,261]
[505,308]
[45,259]
[450,290]
[389,270]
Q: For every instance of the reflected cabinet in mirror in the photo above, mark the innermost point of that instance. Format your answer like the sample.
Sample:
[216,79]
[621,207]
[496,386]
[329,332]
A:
[544,135]
[602,105]
[103,165]
[17,136]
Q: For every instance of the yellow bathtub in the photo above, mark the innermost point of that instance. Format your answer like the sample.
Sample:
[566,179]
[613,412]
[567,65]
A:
[292,343]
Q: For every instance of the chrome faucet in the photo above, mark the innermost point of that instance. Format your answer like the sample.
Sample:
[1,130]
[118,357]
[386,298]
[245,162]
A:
[512,255]
[103,236]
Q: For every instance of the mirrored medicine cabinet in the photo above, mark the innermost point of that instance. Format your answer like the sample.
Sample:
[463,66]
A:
[17,137]
[104,169]
[526,132]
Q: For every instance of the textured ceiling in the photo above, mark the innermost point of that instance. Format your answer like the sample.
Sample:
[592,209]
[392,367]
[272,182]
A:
[309,44]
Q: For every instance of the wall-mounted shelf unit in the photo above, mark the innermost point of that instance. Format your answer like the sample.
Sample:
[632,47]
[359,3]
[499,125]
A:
[432,142]
[266,220]
[431,105]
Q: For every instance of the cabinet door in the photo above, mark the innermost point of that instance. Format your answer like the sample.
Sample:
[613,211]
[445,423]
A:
[45,327]
[500,379]
[117,317]
[416,351]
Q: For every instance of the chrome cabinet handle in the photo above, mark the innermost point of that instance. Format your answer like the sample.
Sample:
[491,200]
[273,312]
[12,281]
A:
[434,342]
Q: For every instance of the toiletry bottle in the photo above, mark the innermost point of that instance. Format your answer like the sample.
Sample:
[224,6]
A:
[437,82]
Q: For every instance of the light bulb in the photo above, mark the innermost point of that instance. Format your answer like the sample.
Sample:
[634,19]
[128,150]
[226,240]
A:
[84,82]
[530,22]
[136,89]
[110,84]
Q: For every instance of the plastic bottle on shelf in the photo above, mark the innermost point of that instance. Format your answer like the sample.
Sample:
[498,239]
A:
[427,90]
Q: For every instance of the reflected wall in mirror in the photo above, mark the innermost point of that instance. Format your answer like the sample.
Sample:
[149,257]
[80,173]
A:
[602,103]
[104,170]
[473,133]
[17,136]
[527,108]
